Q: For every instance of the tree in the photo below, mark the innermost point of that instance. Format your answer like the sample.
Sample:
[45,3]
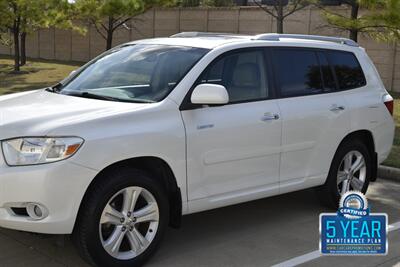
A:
[32,16]
[281,9]
[218,3]
[44,14]
[10,14]
[4,22]
[21,17]
[196,3]
[189,3]
[381,20]
[108,15]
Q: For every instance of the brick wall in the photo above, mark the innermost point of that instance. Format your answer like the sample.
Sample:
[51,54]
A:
[66,45]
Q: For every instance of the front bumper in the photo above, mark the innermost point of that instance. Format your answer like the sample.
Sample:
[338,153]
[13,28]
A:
[58,186]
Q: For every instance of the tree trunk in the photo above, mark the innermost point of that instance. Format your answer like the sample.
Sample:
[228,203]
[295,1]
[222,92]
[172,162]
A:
[110,32]
[280,18]
[109,39]
[279,25]
[354,14]
[353,35]
[16,45]
[23,48]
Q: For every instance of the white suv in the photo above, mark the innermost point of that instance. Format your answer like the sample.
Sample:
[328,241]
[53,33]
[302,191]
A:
[155,129]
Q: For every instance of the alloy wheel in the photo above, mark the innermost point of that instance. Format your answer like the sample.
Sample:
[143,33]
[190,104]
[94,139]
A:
[129,223]
[352,172]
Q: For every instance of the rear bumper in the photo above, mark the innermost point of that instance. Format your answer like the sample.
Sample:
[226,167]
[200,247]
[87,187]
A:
[383,138]
[59,187]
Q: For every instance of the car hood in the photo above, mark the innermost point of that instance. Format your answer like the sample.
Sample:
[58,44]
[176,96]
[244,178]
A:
[40,112]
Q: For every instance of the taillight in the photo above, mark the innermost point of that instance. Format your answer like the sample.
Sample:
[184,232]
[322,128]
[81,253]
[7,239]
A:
[389,103]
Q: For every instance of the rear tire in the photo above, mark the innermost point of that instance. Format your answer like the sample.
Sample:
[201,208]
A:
[122,219]
[351,169]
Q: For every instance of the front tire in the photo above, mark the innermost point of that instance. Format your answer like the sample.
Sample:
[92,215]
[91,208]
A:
[351,169]
[122,219]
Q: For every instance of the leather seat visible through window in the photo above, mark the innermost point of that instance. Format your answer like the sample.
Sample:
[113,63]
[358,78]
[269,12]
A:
[246,82]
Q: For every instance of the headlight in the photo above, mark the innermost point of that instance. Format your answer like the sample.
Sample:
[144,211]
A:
[39,150]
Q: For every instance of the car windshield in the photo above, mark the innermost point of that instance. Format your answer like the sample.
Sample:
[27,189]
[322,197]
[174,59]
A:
[133,73]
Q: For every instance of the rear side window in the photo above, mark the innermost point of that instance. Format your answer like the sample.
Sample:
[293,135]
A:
[347,69]
[327,74]
[298,72]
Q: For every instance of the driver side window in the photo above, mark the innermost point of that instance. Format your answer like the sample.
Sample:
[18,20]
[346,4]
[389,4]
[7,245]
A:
[242,73]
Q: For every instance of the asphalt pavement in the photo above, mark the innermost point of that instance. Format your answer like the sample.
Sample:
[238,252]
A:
[281,230]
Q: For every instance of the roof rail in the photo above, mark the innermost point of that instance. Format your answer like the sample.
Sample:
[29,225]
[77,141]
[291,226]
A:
[276,37]
[205,34]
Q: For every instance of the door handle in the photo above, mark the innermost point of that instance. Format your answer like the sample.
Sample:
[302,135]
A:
[270,117]
[335,108]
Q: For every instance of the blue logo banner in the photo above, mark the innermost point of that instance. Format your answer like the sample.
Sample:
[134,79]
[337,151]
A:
[353,230]
[363,236]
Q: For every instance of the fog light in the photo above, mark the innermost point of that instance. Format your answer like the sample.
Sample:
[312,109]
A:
[36,211]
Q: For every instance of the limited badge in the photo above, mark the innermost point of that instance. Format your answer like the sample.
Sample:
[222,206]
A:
[353,230]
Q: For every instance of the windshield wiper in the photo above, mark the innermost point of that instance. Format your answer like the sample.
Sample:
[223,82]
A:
[87,94]
[140,100]
[94,96]
[53,89]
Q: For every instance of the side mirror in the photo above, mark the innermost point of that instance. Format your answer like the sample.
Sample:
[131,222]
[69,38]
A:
[209,94]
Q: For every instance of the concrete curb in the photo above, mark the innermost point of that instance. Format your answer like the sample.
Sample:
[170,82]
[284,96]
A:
[389,173]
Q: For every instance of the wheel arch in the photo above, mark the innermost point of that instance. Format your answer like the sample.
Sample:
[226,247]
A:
[367,138]
[159,170]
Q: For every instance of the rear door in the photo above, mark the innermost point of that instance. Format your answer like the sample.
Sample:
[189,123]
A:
[314,117]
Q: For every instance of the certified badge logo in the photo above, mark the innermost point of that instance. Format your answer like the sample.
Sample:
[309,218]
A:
[353,205]
[353,230]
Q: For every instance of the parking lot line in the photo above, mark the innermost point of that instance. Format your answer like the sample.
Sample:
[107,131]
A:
[300,259]
[316,253]
[394,226]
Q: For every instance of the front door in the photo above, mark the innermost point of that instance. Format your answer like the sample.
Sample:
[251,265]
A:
[233,151]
